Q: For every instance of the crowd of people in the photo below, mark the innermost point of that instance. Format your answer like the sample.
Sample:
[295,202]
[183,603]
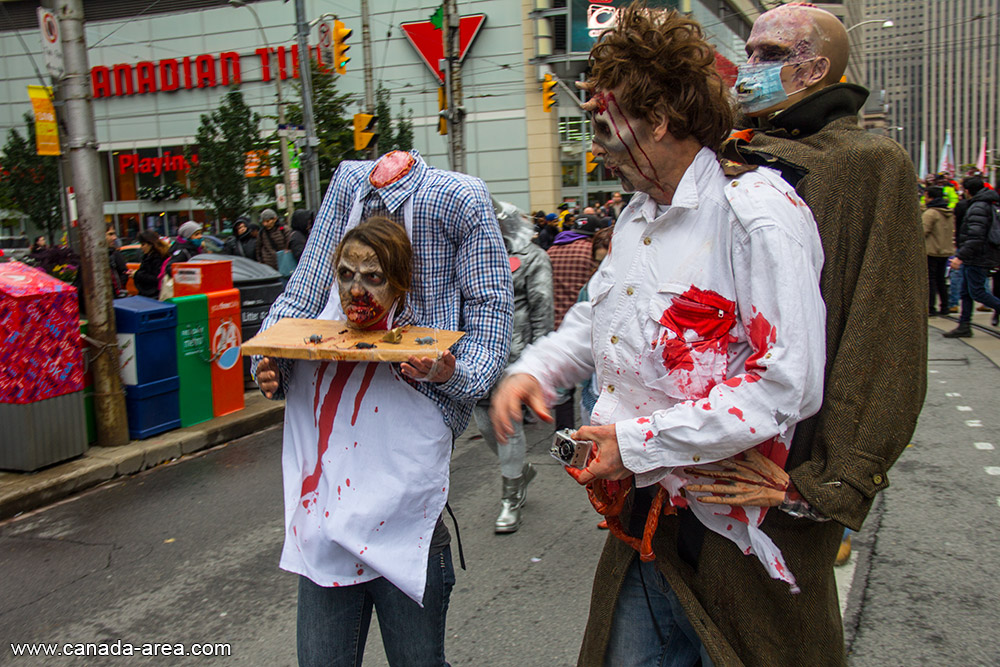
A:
[962,258]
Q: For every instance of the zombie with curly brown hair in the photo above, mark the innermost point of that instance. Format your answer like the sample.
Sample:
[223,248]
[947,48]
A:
[705,330]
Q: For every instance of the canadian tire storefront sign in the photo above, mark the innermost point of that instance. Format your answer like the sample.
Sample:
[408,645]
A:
[204,71]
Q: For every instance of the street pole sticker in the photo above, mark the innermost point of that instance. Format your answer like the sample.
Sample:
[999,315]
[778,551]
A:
[51,43]
[326,43]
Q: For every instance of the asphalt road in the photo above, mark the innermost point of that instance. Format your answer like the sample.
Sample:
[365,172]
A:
[926,591]
[188,552]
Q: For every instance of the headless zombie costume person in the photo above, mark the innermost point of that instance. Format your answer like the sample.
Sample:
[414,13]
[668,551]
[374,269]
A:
[366,455]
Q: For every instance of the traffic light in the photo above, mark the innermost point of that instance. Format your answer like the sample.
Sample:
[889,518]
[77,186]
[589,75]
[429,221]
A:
[364,132]
[548,93]
[340,47]
[442,110]
[591,165]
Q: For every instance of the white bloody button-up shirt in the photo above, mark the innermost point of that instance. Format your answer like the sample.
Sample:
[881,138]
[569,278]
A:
[705,327]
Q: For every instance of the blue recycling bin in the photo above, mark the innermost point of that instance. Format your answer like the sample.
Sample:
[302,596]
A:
[147,331]
[147,347]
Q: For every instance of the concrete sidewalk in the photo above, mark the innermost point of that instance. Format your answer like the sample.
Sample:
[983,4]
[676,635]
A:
[20,492]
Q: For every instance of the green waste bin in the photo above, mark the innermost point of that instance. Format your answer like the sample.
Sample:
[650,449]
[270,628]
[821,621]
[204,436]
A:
[193,359]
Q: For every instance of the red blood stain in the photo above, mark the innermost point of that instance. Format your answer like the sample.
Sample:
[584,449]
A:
[602,102]
[737,412]
[376,408]
[641,420]
[320,373]
[779,568]
[679,501]
[338,492]
[774,450]
[327,513]
[707,406]
[746,551]
[737,512]
[729,526]
[295,531]
[707,314]
[348,482]
[327,414]
[649,435]
[753,430]
[442,489]
[381,523]
[656,177]
[355,443]
[365,381]
[336,585]
[762,336]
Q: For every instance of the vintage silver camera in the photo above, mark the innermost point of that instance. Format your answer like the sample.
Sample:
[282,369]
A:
[568,451]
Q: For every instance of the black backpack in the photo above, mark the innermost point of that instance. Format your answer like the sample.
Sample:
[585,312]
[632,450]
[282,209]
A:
[993,236]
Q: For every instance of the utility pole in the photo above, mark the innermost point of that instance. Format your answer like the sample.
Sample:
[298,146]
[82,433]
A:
[109,399]
[310,163]
[456,128]
[366,53]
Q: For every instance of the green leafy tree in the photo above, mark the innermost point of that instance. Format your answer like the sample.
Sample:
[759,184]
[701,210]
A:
[29,182]
[224,138]
[383,111]
[404,127]
[334,125]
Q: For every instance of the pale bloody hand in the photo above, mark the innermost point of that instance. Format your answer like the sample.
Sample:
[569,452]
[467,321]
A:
[268,376]
[513,392]
[755,481]
[606,458]
[429,369]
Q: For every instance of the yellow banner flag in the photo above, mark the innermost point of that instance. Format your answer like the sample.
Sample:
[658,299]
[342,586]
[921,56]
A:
[46,129]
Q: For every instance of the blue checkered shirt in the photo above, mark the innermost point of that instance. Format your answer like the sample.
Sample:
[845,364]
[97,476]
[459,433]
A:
[461,276]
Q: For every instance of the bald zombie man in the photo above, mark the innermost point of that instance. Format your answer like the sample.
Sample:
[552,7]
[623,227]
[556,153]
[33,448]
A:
[861,188]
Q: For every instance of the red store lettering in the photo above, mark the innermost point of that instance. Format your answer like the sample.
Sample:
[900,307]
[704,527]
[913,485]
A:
[154,165]
[204,71]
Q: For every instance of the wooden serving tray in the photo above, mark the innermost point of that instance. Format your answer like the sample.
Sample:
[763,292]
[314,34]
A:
[288,339]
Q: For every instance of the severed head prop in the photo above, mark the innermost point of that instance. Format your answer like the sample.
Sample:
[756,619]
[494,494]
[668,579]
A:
[373,266]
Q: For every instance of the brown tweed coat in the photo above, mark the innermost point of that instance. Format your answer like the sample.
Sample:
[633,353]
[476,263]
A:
[862,190]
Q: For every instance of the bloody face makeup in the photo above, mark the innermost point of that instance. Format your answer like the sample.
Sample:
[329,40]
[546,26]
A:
[365,294]
[624,142]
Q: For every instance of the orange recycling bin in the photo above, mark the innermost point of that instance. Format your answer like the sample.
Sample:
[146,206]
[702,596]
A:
[227,367]
[202,277]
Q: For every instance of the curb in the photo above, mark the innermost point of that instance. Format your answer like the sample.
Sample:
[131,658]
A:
[21,492]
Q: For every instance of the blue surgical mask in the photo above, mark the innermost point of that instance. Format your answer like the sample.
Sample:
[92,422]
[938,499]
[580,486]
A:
[195,242]
[759,87]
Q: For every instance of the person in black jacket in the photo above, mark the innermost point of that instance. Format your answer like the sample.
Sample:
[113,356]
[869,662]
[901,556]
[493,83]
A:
[155,252]
[302,221]
[119,269]
[241,243]
[186,246]
[976,255]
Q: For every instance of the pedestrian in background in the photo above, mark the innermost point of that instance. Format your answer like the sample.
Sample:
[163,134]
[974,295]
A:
[186,245]
[273,239]
[532,274]
[939,224]
[155,253]
[547,234]
[242,242]
[976,255]
[119,269]
[302,222]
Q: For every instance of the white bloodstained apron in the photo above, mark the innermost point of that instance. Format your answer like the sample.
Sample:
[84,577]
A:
[365,466]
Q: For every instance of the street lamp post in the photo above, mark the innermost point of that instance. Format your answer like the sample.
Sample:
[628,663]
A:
[282,141]
[886,23]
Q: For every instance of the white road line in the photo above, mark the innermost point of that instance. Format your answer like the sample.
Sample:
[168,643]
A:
[984,445]
[952,394]
[992,470]
[932,371]
[974,423]
[964,408]
[943,381]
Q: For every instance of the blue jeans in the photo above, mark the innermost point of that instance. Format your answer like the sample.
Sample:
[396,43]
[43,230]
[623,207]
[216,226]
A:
[651,631]
[333,622]
[976,278]
[955,286]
